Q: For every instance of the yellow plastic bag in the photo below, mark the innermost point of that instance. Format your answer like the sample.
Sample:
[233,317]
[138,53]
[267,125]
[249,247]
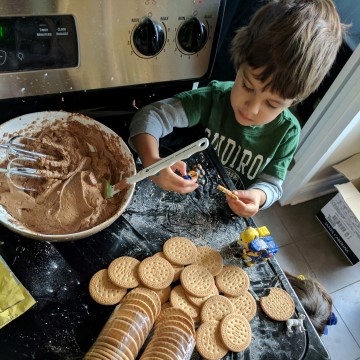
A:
[14,298]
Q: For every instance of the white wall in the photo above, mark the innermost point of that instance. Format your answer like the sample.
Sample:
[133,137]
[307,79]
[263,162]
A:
[349,146]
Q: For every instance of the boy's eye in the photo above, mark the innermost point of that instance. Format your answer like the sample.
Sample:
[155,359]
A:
[248,89]
[272,106]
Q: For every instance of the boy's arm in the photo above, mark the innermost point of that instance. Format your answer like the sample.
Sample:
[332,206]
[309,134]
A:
[260,195]
[147,148]
[158,119]
[150,124]
[271,186]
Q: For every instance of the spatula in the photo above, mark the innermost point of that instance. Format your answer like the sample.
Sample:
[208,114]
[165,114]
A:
[182,154]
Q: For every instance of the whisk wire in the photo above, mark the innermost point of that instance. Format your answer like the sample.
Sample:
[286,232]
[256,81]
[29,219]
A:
[15,168]
[16,147]
[19,156]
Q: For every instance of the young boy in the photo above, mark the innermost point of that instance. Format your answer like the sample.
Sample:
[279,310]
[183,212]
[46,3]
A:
[281,57]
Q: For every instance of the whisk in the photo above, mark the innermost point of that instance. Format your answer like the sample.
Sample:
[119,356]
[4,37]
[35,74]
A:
[19,157]
[17,146]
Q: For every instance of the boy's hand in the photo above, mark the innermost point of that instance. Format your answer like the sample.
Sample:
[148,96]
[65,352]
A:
[148,149]
[168,180]
[248,202]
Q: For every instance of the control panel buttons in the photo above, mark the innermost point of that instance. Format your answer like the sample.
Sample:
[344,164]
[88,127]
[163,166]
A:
[192,35]
[148,37]
[30,43]
[20,56]
[2,57]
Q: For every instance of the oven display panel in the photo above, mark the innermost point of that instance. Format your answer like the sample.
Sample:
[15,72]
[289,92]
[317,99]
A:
[38,43]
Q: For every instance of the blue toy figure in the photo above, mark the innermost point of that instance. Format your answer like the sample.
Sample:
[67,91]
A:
[257,244]
[196,172]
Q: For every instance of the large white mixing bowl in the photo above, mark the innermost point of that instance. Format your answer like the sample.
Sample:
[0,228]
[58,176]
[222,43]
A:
[33,123]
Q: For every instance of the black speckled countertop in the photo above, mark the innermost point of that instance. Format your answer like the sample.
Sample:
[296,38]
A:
[66,321]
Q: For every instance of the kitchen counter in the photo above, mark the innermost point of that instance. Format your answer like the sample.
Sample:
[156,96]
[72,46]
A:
[66,321]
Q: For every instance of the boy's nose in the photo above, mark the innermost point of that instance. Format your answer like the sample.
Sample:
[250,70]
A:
[253,106]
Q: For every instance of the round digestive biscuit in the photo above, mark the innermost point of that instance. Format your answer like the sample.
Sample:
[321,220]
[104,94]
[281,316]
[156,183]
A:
[136,297]
[93,353]
[143,305]
[232,281]
[210,258]
[125,326]
[179,324]
[164,348]
[120,346]
[123,272]
[177,268]
[178,353]
[103,291]
[139,318]
[151,294]
[183,335]
[166,305]
[235,332]
[174,313]
[180,250]
[177,273]
[115,352]
[154,354]
[137,323]
[199,301]
[155,273]
[90,356]
[208,341]
[142,317]
[197,280]
[179,300]
[121,336]
[172,341]
[98,353]
[244,304]
[278,305]
[164,294]
[216,308]
[188,322]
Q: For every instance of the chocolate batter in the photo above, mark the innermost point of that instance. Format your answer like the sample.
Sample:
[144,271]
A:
[70,196]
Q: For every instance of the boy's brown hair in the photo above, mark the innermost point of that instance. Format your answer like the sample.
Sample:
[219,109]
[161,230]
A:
[295,42]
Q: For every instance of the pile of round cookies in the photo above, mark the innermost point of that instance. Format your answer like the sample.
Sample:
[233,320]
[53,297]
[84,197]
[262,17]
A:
[164,298]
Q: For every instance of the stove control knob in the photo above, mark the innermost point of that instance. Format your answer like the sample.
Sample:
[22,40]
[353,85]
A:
[192,35]
[149,37]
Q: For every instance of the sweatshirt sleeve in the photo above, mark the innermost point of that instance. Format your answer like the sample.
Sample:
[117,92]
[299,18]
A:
[272,187]
[158,119]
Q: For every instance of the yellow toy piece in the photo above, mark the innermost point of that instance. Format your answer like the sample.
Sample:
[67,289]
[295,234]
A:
[263,231]
[249,256]
[248,235]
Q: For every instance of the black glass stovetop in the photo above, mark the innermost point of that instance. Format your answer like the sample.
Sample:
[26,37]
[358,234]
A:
[65,321]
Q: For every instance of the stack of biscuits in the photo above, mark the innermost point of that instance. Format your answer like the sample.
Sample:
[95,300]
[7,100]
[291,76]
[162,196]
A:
[162,299]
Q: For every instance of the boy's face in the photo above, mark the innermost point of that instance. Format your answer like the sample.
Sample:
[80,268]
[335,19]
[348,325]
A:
[253,104]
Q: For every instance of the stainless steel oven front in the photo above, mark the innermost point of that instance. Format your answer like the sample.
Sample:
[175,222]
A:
[57,46]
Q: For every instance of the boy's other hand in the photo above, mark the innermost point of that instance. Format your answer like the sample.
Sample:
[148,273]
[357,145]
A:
[248,202]
[168,180]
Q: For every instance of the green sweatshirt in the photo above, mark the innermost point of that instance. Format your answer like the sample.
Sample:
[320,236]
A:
[245,151]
